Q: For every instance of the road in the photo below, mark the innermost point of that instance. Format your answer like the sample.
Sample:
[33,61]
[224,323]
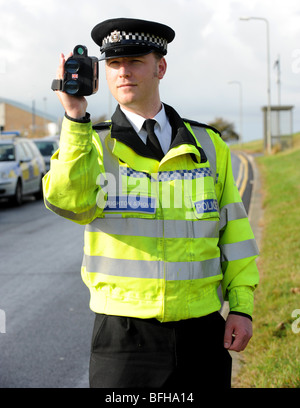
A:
[243,174]
[48,323]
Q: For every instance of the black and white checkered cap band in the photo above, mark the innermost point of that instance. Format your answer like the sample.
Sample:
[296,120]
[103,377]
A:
[121,37]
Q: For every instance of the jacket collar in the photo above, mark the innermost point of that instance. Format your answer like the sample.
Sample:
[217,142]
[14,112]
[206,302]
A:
[123,131]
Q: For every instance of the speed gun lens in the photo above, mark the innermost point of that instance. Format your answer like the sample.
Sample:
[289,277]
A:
[72,66]
[71,87]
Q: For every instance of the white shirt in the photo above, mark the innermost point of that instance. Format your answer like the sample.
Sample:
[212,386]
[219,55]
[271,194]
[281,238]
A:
[162,127]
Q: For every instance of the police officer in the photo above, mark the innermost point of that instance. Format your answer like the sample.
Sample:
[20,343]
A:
[165,225]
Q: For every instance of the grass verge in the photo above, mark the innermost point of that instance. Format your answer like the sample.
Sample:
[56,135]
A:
[272,358]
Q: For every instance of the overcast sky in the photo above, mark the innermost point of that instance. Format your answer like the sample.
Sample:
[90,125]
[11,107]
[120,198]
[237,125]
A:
[212,47]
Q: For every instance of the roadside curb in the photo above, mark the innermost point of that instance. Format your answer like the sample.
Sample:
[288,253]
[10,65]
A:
[256,211]
[255,216]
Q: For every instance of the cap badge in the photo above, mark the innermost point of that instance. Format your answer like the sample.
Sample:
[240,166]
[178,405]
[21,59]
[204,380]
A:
[115,36]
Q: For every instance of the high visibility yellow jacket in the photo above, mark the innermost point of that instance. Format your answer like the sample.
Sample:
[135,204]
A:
[160,236]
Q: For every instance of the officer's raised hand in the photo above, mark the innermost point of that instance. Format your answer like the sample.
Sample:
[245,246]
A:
[75,106]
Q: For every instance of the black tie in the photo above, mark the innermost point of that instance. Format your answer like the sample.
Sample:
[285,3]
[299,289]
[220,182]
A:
[152,141]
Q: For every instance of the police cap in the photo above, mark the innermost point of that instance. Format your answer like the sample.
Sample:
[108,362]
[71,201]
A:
[126,37]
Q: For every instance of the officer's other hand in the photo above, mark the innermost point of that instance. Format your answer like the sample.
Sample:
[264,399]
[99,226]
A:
[238,332]
[75,106]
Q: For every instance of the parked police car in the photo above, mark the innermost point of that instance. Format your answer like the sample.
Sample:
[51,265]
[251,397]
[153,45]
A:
[22,168]
[47,147]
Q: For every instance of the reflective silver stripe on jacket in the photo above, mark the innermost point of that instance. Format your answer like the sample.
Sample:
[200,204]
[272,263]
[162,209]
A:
[70,214]
[208,146]
[230,212]
[239,250]
[155,228]
[110,162]
[169,271]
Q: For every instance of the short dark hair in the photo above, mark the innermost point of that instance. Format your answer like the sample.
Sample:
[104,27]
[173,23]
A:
[158,55]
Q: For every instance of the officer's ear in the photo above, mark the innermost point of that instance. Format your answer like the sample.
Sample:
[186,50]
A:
[162,68]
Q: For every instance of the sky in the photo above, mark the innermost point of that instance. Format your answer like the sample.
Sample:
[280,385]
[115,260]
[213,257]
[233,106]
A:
[212,47]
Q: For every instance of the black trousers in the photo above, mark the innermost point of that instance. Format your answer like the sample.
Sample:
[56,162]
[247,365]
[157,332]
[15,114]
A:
[144,353]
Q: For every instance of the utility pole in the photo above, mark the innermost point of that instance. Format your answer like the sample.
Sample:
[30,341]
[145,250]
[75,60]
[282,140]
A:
[277,65]
[269,135]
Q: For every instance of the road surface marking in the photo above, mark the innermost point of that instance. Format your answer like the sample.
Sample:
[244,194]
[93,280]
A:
[242,175]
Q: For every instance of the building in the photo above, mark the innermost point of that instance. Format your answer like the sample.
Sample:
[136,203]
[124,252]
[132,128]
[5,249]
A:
[15,116]
[281,126]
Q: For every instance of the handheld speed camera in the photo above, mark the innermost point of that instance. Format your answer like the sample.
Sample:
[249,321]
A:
[81,77]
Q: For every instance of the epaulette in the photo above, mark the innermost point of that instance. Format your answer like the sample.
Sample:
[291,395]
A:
[102,125]
[194,123]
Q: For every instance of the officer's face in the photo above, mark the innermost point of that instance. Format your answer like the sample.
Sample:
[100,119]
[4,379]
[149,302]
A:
[134,81]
